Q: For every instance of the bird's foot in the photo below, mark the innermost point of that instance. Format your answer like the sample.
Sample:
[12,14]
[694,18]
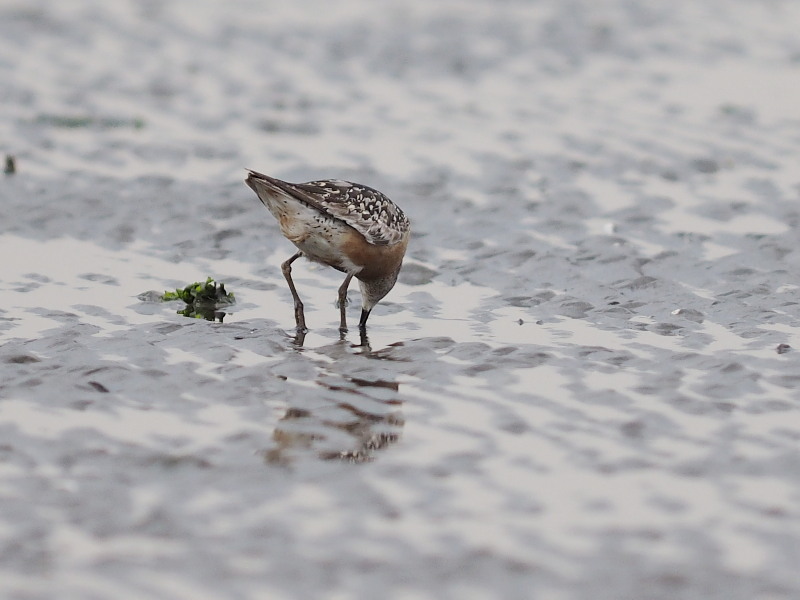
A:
[364,339]
[300,337]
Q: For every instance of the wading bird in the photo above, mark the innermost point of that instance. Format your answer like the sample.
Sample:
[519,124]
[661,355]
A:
[348,226]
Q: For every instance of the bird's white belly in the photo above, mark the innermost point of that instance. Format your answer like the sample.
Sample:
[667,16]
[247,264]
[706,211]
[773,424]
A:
[318,236]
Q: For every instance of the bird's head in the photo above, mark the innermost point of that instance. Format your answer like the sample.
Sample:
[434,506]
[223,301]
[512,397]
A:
[373,291]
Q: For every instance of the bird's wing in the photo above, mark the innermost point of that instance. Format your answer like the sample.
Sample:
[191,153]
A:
[366,210]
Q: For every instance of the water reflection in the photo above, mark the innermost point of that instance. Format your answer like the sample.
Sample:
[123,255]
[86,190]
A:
[346,417]
[209,313]
[299,340]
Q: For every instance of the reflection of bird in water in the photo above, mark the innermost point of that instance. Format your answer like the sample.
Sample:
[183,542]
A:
[350,227]
[301,429]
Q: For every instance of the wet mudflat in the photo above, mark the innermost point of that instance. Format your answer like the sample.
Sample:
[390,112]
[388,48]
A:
[585,384]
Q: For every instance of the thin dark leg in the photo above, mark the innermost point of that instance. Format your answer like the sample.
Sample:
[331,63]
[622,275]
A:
[343,302]
[362,324]
[286,269]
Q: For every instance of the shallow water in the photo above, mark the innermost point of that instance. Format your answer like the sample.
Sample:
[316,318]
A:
[584,385]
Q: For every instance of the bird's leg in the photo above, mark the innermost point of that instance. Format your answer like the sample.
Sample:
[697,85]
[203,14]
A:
[299,316]
[343,302]
[362,324]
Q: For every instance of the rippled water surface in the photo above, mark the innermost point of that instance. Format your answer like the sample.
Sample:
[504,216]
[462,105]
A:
[584,385]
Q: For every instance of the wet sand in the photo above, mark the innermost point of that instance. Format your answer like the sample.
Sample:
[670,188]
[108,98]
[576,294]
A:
[584,385]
